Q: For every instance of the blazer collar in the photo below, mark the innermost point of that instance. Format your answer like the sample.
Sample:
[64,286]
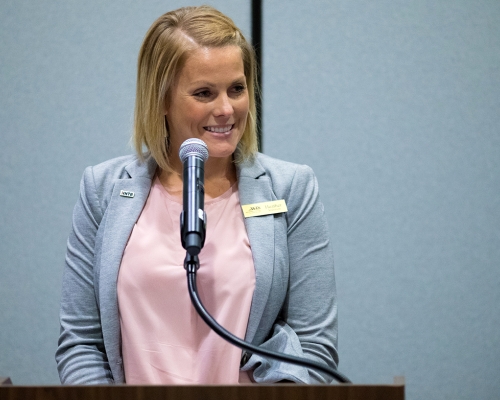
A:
[146,168]
[250,169]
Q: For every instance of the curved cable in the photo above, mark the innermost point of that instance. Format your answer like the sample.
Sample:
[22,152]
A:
[225,334]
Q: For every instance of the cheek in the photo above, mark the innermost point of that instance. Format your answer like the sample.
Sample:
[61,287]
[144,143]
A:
[243,107]
[196,112]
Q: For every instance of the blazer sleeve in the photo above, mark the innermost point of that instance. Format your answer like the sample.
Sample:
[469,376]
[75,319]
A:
[80,356]
[307,325]
[311,305]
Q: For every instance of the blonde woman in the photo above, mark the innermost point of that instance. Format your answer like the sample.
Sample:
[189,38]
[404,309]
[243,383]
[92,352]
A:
[126,316]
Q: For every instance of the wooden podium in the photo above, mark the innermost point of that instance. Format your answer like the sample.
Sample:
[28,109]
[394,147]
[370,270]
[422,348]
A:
[239,392]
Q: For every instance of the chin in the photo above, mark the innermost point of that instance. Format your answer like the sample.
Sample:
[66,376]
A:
[213,154]
[219,152]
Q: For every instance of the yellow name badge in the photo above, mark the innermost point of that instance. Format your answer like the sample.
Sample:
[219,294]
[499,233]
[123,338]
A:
[265,208]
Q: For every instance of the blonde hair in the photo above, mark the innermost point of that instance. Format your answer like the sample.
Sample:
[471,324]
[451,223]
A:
[161,58]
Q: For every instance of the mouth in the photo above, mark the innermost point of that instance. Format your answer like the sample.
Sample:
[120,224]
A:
[219,129]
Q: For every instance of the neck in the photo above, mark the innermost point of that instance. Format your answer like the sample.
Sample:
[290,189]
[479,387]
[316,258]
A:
[220,169]
[220,175]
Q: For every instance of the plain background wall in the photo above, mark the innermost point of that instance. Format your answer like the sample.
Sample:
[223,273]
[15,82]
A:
[394,104]
[67,79]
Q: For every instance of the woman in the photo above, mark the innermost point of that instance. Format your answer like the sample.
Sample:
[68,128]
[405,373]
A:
[125,310]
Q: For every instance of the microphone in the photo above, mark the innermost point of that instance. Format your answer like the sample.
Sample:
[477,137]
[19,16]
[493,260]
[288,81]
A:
[193,154]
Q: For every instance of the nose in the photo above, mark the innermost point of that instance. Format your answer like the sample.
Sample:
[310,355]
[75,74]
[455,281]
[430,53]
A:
[223,106]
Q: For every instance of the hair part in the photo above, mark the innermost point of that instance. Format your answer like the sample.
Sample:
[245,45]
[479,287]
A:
[163,53]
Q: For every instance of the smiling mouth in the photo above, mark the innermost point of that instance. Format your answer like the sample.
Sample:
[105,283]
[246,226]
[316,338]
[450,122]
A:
[219,129]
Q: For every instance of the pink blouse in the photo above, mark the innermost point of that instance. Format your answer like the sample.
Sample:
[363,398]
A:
[164,341]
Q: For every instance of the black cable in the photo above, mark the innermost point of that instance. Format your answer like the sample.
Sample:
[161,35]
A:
[191,268]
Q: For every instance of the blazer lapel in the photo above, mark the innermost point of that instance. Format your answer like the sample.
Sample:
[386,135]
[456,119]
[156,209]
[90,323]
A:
[254,187]
[122,214]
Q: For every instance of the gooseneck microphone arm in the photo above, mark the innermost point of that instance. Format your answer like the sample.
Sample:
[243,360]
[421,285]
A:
[191,264]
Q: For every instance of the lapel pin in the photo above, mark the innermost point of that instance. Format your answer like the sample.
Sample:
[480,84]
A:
[126,193]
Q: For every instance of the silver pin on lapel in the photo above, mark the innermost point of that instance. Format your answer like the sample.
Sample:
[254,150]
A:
[126,193]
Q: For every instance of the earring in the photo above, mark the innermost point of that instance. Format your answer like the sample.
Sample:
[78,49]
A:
[167,136]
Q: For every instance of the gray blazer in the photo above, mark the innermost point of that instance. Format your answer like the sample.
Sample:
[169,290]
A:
[293,309]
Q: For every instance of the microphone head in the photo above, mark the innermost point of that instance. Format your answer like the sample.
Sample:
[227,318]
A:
[193,147]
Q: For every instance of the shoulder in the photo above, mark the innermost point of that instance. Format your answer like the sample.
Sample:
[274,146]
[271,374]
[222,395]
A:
[122,168]
[285,175]
[115,168]
[101,178]
[272,164]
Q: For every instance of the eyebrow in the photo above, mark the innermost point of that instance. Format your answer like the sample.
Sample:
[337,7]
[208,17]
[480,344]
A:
[209,84]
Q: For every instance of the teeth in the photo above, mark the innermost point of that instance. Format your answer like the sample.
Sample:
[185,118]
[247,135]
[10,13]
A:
[219,129]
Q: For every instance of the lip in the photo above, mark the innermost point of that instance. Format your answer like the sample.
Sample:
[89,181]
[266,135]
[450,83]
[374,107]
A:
[219,129]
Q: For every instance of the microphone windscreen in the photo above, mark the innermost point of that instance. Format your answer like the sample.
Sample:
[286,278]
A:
[193,147]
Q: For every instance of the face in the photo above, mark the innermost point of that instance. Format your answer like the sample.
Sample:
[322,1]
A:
[209,101]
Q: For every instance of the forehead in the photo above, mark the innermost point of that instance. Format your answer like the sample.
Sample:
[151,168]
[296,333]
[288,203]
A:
[212,63]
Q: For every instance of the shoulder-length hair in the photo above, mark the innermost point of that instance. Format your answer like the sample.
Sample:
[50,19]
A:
[163,54]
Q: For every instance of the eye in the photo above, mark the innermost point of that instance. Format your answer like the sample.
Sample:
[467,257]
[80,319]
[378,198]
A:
[238,88]
[202,94]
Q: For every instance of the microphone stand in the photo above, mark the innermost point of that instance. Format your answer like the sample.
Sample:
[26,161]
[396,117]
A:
[191,265]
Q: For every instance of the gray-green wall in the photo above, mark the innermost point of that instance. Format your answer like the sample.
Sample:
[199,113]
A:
[395,105]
